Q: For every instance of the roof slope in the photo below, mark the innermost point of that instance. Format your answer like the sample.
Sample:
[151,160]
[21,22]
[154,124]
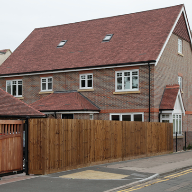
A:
[137,37]
[11,106]
[169,97]
[64,101]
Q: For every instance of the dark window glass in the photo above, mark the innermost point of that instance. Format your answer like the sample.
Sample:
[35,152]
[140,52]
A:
[19,89]
[14,89]
[126,117]
[82,83]
[138,117]
[115,117]
[67,116]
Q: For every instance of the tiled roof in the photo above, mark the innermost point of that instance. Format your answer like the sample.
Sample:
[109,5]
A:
[4,50]
[137,37]
[169,97]
[64,101]
[11,106]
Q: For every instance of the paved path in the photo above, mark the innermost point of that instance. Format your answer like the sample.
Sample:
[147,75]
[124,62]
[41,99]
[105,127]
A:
[107,177]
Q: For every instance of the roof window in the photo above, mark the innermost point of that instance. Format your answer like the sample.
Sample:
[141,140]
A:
[62,43]
[107,37]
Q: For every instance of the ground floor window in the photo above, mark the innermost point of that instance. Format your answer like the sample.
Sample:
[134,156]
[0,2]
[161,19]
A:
[177,124]
[67,116]
[127,116]
[176,119]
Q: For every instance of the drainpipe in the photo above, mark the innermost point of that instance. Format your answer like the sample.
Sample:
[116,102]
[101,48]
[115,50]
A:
[149,92]
[26,146]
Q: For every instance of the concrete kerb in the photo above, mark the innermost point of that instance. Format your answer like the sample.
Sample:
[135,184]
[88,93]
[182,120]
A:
[133,184]
[146,179]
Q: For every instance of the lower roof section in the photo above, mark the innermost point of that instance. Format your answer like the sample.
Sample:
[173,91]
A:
[64,101]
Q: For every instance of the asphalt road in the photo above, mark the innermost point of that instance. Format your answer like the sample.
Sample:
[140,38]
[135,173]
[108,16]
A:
[180,181]
[91,179]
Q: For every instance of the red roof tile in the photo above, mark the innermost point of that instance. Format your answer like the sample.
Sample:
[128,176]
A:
[64,101]
[169,97]
[11,106]
[137,37]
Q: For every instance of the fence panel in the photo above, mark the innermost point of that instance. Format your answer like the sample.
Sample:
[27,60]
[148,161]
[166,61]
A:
[63,144]
[11,145]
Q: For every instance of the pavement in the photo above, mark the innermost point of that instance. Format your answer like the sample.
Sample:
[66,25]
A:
[109,177]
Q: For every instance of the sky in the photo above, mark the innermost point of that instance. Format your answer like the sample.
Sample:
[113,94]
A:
[18,18]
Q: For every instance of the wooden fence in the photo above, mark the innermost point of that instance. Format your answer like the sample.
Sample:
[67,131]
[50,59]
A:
[11,146]
[59,144]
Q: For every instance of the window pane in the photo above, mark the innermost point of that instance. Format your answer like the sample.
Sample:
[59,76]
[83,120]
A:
[50,85]
[173,125]
[43,86]
[49,80]
[126,82]
[126,73]
[9,87]
[115,117]
[119,83]
[20,82]
[135,73]
[138,117]
[14,89]
[19,89]
[89,77]
[89,83]
[126,117]
[134,82]
[43,80]
[82,76]
[177,124]
[82,83]
[165,121]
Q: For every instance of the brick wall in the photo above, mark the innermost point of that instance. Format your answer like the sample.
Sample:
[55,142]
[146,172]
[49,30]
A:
[102,96]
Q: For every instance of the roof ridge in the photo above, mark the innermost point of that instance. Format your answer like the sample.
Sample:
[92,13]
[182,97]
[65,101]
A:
[108,17]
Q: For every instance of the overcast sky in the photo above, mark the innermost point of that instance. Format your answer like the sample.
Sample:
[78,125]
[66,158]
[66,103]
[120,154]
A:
[18,18]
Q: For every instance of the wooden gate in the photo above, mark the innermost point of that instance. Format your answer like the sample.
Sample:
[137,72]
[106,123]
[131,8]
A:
[11,146]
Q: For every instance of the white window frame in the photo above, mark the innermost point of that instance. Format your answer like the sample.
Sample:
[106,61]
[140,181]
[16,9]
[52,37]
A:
[132,115]
[91,116]
[86,81]
[130,71]
[170,118]
[180,46]
[177,116]
[180,81]
[11,82]
[46,84]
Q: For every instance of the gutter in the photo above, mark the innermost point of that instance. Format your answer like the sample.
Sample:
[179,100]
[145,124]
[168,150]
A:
[78,68]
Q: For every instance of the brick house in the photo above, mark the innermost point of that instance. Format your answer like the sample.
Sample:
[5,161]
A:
[4,54]
[133,67]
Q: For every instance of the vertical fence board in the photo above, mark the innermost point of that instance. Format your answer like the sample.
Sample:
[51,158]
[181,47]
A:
[57,145]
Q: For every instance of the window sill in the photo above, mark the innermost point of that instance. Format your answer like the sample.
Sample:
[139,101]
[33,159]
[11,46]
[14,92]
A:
[125,92]
[79,90]
[178,137]
[180,54]
[21,98]
[45,92]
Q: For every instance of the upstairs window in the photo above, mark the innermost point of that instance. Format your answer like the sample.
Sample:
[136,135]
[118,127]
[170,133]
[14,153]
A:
[14,87]
[180,82]
[107,38]
[86,81]
[180,46]
[62,43]
[46,83]
[127,80]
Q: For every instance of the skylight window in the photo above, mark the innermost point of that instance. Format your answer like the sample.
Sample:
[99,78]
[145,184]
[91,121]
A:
[62,43]
[107,37]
